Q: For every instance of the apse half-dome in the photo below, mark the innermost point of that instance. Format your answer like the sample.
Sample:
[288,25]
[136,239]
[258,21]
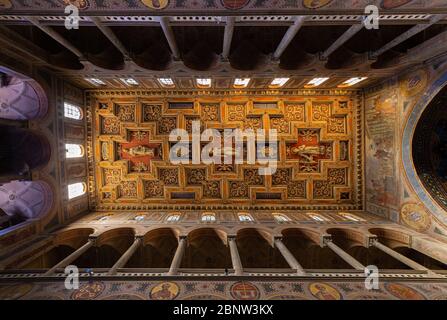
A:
[429,148]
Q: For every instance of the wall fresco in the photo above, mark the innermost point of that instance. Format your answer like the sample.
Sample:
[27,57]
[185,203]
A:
[380,153]
[388,110]
[224,290]
[163,6]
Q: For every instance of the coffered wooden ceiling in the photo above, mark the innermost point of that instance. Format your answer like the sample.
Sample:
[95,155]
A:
[319,152]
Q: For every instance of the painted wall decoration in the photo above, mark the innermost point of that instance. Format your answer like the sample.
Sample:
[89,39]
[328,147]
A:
[324,291]
[165,291]
[22,100]
[415,216]
[380,143]
[220,5]
[392,110]
[224,289]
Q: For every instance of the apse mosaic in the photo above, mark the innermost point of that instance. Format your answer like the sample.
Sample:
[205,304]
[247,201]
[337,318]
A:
[224,290]
[319,152]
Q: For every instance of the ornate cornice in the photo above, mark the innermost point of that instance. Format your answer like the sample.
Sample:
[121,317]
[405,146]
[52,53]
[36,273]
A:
[98,93]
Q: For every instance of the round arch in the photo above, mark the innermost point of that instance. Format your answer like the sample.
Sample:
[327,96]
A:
[407,151]
[26,199]
[21,98]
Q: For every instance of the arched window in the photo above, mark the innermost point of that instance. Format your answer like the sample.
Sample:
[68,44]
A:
[208,217]
[76,190]
[279,217]
[140,217]
[245,217]
[74,150]
[351,217]
[173,218]
[317,217]
[71,111]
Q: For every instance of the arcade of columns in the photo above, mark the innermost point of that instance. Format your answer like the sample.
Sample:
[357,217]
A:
[381,244]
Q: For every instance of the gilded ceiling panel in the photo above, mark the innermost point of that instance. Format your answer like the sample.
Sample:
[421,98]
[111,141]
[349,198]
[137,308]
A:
[319,152]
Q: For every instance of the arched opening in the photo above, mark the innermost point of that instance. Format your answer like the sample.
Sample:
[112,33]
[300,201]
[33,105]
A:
[421,258]
[352,242]
[351,217]
[392,239]
[206,250]
[157,250]
[72,112]
[66,243]
[22,150]
[173,217]
[50,258]
[245,217]
[26,199]
[76,190]
[280,218]
[21,98]
[110,246]
[256,252]
[208,217]
[304,245]
[73,150]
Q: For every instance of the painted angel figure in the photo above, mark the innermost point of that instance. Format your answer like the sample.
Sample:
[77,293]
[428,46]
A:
[140,151]
[308,152]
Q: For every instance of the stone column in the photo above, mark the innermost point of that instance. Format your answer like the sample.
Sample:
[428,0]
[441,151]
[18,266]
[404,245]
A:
[170,38]
[126,256]
[72,257]
[400,257]
[177,260]
[235,258]
[343,254]
[228,35]
[288,36]
[288,256]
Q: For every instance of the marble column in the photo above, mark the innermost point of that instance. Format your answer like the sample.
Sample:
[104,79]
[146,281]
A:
[170,38]
[288,256]
[72,257]
[228,35]
[344,255]
[235,258]
[126,256]
[288,36]
[400,257]
[177,260]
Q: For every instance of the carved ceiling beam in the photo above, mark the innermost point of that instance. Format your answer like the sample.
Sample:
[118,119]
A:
[56,36]
[288,36]
[107,31]
[22,45]
[427,50]
[228,36]
[169,34]
[348,34]
[408,34]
